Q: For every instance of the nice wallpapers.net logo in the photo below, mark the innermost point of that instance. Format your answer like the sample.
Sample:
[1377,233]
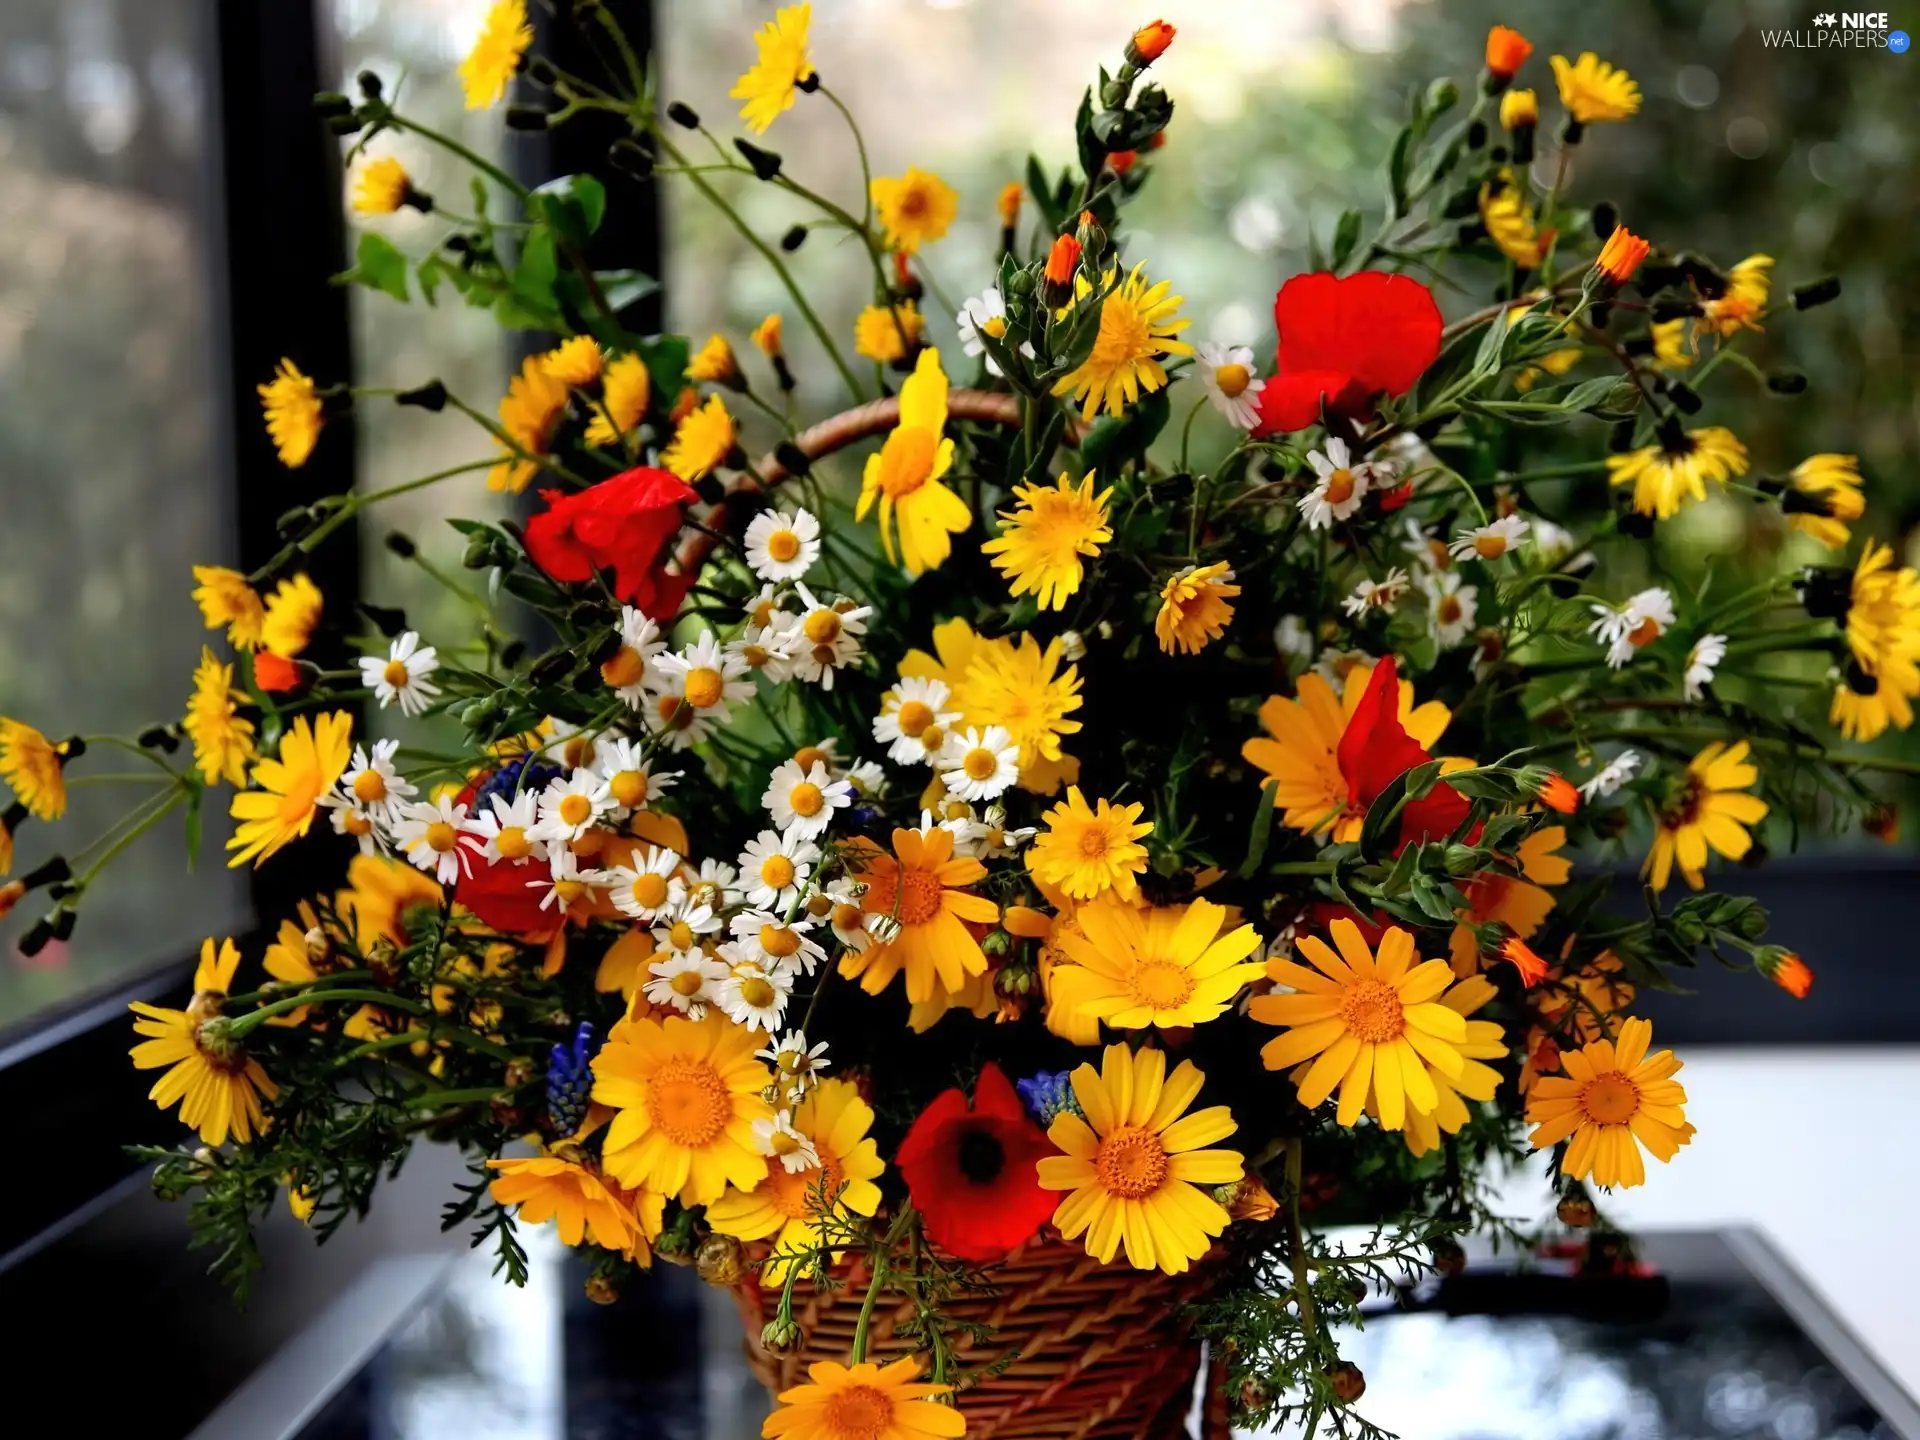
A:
[1842,30]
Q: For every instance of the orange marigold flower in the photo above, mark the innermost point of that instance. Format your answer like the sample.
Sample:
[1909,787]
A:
[1621,255]
[1557,793]
[1789,972]
[1149,43]
[1531,967]
[1507,51]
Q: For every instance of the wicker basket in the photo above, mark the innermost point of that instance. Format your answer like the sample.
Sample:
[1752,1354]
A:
[1103,1350]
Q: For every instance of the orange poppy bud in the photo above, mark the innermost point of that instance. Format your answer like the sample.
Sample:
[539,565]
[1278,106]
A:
[1149,43]
[1008,204]
[1507,51]
[1621,255]
[1558,794]
[1790,973]
[1062,260]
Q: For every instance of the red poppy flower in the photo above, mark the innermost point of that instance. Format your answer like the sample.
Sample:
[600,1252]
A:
[623,524]
[974,1174]
[1347,341]
[497,891]
[1375,749]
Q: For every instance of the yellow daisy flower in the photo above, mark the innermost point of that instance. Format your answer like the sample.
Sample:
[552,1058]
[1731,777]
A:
[920,888]
[1165,966]
[686,1094]
[1675,471]
[287,958]
[1510,223]
[381,187]
[768,86]
[1518,109]
[530,413]
[1613,1099]
[1593,91]
[380,895]
[1137,1165]
[225,598]
[915,208]
[1671,348]
[583,1203]
[1370,1025]
[1835,479]
[1194,608]
[768,337]
[1710,809]
[703,440]
[888,332]
[31,764]
[905,476]
[575,362]
[784,1208]
[279,807]
[209,1074]
[1883,613]
[1476,1081]
[625,390]
[222,738]
[1045,541]
[1739,308]
[490,65]
[292,615]
[1088,852]
[624,966]
[291,404]
[713,363]
[864,1402]
[1021,687]
[1137,326]
[1865,704]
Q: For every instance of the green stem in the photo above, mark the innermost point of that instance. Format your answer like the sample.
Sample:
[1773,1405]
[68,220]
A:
[442,1099]
[1296,1235]
[485,167]
[159,807]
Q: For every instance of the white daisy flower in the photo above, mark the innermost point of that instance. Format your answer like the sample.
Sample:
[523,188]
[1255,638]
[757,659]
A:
[368,796]
[803,801]
[433,834]
[1339,484]
[777,1139]
[767,940]
[847,919]
[907,711]
[1226,375]
[1643,619]
[828,637]
[1611,776]
[699,687]
[1489,542]
[565,883]
[1551,543]
[764,611]
[777,868]
[504,827]
[1291,637]
[1377,595]
[979,764]
[1452,608]
[714,886]
[987,836]
[568,745]
[683,928]
[767,651]
[867,778]
[570,806]
[402,675]
[754,997]
[650,887]
[1702,661]
[370,829]
[781,546]
[689,983]
[1426,550]
[985,313]
[632,784]
[630,671]
[794,1064]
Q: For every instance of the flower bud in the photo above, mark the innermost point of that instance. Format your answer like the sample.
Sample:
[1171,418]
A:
[631,159]
[319,948]
[1787,382]
[781,1335]
[1619,258]
[526,117]
[794,239]
[1785,969]
[1062,260]
[720,1260]
[1577,1212]
[602,1289]
[1346,1381]
[431,397]
[383,959]
[684,116]
[765,163]
[1507,51]
[1448,1257]
[1149,43]
[1818,292]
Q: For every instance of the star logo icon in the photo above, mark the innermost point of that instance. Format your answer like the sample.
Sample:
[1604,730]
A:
[1824,19]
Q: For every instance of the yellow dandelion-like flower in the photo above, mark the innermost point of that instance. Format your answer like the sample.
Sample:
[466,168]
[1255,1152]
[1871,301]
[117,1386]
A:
[1865,704]
[905,477]
[381,187]
[768,337]
[1593,91]
[1675,471]
[1835,479]
[915,208]
[279,808]
[768,86]
[31,764]
[1137,326]
[1883,610]
[1022,687]
[1087,852]
[1710,809]
[1613,1099]
[888,332]
[222,738]
[294,415]
[1510,223]
[1671,348]
[1164,966]
[209,1075]
[490,65]
[576,362]
[704,439]
[864,1402]
[1138,1166]
[225,598]
[292,615]
[1045,542]
[713,363]
[530,413]
[1740,306]
[1195,608]
[625,391]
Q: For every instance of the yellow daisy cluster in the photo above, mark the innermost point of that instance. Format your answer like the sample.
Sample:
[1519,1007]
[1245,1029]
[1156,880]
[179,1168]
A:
[1883,644]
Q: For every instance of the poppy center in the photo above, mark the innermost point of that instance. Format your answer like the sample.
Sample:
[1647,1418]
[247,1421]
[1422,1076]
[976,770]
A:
[625,669]
[512,843]
[650,889]
[1131,1162]
[688,1102]
[783,545]
[1093,842]
[441,837]
[1610,1099]
[806,800]
[980,764]
[629,788]
[981,1157]
[704,687]
[1162,985]
[1232,380]
[920,895]
[777,872]
[1686,809]
[1339,487]
[369,787]
[576,809]
[1372,1011]
[395,674]
[913,717]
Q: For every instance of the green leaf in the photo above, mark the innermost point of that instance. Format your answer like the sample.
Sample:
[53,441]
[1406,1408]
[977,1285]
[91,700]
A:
[574,205]
[1042,192]
[1493,341]
[1397,171]
[1262,829]
[195,819]
[1113,440]
[378,265]
[1345,236]
[666,361]
[539,267]
[623,287]
[1093,155]
[1593,394]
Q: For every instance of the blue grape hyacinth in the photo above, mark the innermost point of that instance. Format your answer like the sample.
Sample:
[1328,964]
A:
[1048,1094]
[570,1081]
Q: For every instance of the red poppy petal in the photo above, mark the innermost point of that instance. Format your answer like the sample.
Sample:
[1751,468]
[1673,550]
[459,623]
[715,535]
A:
[1382,330]
[1291,400]
[994,1095]
[1375,747]
[929,1132]
[1434,817]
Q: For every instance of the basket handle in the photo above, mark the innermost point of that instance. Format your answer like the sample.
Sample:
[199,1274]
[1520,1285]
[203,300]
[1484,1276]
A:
[730,513]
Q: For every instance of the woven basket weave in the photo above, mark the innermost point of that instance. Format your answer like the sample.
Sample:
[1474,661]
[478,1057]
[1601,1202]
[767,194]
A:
[1103,1350]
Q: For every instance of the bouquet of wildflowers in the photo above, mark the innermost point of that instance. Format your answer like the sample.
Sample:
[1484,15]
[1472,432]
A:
[960,826]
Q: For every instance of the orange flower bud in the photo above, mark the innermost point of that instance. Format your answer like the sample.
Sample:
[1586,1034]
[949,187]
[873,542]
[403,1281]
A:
[1507,51]
[1011,194]
[1559,794]
[1121,161]
[1621,255]
[1062,260]
[1791,974]
[1149,43]
[275,673]
[11,894]
[1531,967]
